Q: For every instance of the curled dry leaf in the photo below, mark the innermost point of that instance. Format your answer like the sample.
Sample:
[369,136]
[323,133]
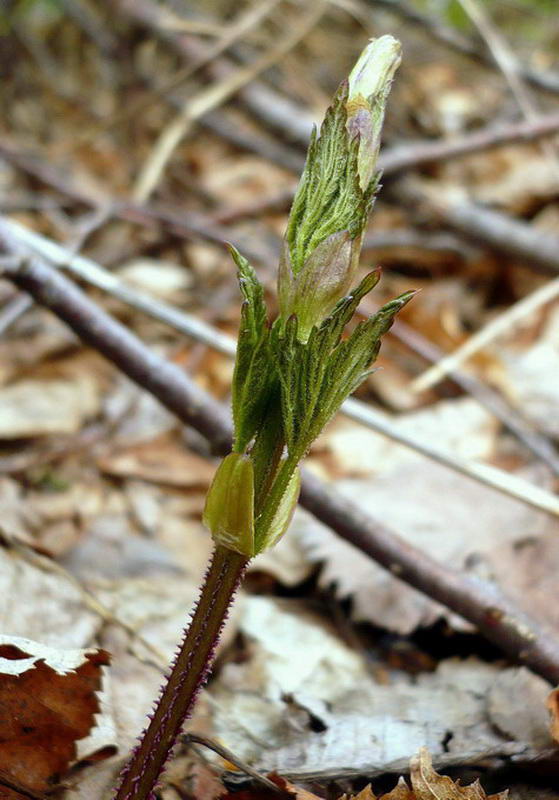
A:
[428,785]
[47,703]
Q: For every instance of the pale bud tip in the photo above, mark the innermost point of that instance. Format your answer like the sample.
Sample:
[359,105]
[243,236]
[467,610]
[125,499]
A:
[375,68]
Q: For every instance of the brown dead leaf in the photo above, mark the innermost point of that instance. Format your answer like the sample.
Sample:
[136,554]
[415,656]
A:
[38,408]
[297,672]
[553,707]
[47,702]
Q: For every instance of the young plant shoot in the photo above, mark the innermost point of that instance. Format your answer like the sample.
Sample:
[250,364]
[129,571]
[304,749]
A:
[291,376]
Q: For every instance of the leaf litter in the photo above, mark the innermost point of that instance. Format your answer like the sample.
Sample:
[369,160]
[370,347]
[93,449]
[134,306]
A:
[122,517]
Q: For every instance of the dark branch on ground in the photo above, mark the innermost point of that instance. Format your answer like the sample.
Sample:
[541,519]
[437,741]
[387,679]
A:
[522,638]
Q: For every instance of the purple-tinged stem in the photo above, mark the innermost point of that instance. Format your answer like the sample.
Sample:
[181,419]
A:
[188,673]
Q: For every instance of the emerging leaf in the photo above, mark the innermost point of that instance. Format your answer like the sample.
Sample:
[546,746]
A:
[253,378]
[316,376]
[282,517]
[369,85]
[336,192]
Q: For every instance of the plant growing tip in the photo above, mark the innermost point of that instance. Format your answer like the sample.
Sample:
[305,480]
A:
[369,85]
[336,192]
[290,377]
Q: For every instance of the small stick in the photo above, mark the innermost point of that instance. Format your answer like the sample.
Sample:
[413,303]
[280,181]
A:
[14,309]
[484,394]
[507,62]
[450,37]
[499,326]
[416,154]
[228,755]
[209,98]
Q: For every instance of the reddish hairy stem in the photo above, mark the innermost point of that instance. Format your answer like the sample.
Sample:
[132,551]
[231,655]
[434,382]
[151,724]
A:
[189,670]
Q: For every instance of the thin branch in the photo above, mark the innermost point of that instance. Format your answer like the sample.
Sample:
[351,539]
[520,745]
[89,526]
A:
[209,98]
[238,28]
[480,224]
[259,141]
[497,327]
[507,62]
[484,394]
[450,37]
[416,154]
[13,309]
[24,241]
[228,755]
[502,481]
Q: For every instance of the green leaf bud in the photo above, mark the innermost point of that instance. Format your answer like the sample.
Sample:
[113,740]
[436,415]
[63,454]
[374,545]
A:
[336,192]
[229,509]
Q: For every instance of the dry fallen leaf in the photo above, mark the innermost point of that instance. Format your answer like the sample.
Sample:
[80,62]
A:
[54,609]
[530,377]
[163,460]
[429,785]
[37,408]
[400,792]
[164,279]
[444,527]
[47,703]
[303,703]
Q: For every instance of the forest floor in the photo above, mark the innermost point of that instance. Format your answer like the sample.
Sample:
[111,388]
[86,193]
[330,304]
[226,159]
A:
[136,138]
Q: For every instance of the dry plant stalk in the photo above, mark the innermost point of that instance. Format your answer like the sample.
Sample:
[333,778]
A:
[291,376]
